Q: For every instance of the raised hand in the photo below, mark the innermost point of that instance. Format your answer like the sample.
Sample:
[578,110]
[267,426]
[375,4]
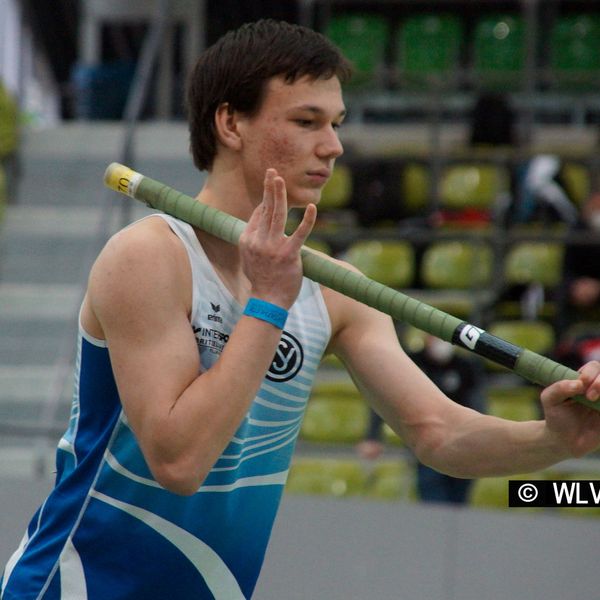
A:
[270,259]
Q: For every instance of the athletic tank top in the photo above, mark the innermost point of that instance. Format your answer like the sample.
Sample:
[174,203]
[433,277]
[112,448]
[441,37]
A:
[108,530]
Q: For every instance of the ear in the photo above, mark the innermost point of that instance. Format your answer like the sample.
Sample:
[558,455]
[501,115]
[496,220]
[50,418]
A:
[226,126]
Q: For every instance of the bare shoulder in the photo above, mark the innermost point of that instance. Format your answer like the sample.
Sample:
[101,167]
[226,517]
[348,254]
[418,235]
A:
[141,268]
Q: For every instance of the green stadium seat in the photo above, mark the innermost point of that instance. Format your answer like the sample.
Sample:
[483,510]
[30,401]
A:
[534,262]
[575,51]
[428,52]
[328,477]
[457,265]
[516,403]
[337,193]
[577,180]
[415,188]
[499,51]
[538,336]
[362,37]
[460,272]
[9,123]
[389,262]
[393,480]
[472,185]
[335,419]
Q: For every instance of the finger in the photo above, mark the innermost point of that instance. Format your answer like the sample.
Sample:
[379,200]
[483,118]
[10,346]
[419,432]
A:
[267,202]
[590,376]
[279,215]
[561,391]
[303,230]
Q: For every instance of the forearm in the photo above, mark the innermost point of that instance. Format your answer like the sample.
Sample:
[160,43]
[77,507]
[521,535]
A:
[483,446]
[190,437]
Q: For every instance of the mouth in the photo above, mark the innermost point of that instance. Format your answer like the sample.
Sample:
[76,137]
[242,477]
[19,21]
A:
[319,176]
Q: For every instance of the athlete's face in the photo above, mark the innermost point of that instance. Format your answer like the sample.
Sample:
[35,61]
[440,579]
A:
[295,132]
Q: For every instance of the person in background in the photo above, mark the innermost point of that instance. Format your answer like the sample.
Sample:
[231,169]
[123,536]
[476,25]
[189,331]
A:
[457,376]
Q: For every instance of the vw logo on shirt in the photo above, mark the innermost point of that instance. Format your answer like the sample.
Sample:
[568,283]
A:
[288,359]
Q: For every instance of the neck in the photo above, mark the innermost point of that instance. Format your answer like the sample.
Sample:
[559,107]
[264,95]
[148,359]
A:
[223,192]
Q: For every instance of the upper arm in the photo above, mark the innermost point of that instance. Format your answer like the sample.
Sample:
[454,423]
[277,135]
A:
[140,293]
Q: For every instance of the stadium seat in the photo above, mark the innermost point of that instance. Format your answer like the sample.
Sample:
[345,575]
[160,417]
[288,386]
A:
[337,193]
[499,51]
[415,188]
[330,477]
[362,37]
[538,336]
[393,480]
[534,262]
[534,266]
[463,271]
[457,265]
[577,181]
[575,51]
[472,185]
[428,51]
[516,403]
[335,418]
[9,131]
[387,261]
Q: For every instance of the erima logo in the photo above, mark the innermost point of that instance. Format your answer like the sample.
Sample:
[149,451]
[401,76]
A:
[215,308]
[288,359]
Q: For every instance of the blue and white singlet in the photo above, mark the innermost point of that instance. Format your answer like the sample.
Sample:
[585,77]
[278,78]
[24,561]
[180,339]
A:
[108,530]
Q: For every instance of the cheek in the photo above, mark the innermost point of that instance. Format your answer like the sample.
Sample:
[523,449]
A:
[279,152]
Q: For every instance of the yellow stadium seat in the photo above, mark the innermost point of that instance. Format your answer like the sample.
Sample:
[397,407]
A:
[328,477]
[472,185]
[337,192]
[457,265]
[516,403]
[393,480]
[415,188]
[335,418]
[389,262]
[534,262]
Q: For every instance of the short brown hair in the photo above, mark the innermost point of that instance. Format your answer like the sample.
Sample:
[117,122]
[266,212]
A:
[236,68]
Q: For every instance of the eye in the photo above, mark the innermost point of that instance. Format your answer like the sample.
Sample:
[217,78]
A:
[304,122]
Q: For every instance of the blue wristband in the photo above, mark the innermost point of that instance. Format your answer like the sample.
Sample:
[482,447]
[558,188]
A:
[271,313]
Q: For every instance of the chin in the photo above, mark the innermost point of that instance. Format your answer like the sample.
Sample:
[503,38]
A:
[303,198]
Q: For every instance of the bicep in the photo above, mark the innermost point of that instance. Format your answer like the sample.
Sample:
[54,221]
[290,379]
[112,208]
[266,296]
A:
[137,295]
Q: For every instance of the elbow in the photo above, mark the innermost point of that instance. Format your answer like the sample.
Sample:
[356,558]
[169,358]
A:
[178,478]
[428,446]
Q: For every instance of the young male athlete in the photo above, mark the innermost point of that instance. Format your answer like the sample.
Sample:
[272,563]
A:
[196,358]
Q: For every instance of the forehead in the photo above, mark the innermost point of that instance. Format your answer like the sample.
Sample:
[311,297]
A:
[322,94]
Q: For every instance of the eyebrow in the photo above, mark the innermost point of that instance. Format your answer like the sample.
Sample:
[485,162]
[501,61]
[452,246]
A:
[318,110]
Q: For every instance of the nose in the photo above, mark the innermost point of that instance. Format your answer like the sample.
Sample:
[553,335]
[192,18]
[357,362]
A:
[330,146]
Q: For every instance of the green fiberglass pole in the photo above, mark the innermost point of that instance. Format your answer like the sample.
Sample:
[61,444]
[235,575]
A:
[530,365]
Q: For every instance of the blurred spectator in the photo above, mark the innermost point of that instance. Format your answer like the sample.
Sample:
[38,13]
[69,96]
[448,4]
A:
[457,376]
[582,267]
[492,121]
